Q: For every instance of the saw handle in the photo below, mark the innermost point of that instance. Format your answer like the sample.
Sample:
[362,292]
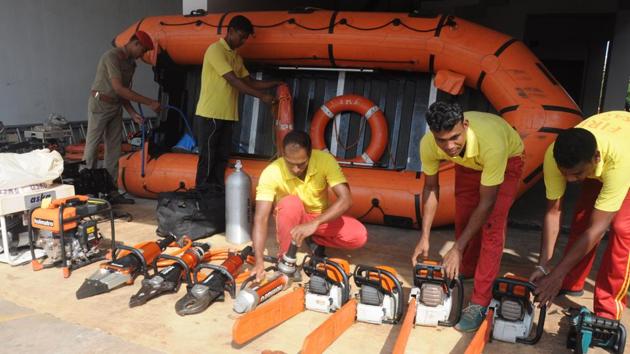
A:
[176,260]
[251,278]
[362,277]
[310,267]
[230,284]
[542,314]
[458,303]
[428,271]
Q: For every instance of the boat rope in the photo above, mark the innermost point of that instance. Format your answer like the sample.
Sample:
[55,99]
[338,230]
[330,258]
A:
[450,22]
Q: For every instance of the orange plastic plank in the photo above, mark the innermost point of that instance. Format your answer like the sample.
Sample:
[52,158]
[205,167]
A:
[324,335]
[482,336]
[405,328]
[267,316]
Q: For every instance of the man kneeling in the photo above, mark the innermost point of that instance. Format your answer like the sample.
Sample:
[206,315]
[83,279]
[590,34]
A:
[298,182]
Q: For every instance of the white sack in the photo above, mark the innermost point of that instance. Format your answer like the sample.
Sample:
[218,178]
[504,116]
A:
[37,166]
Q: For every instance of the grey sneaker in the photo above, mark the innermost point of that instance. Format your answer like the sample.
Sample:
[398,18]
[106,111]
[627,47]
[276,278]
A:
[472,316]
[574,293]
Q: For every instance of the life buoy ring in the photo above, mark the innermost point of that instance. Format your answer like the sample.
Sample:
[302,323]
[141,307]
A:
[358,104]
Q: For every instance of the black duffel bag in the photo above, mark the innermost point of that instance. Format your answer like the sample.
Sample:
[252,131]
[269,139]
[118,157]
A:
[95,182]
[196,213]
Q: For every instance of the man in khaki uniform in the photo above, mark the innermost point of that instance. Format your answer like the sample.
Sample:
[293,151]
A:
[110,92]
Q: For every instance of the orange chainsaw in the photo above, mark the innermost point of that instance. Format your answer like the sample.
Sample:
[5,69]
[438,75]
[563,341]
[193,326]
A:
[285,271]
[510,315]
[380,300]
[433,301]
[327,291]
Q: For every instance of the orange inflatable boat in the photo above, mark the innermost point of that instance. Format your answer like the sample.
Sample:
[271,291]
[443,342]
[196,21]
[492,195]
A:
[74,152]
[459,53]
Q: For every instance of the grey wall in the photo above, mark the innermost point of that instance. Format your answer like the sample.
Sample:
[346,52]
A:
[50,50]
[619,73]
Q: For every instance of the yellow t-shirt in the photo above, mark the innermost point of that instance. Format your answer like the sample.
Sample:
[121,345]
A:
[612,134]
[323,171]
[490,142]
[217,98]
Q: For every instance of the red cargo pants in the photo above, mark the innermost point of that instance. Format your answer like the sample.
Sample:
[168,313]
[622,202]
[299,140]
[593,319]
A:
[343,232]
[482,255]
[613,277]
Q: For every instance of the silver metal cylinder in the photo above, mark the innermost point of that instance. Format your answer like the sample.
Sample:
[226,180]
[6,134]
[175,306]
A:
[238,208]
[246,301]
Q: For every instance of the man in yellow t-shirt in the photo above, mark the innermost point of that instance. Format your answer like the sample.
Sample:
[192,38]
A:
[298,183]
[592,153]
[488,153]
[223,76]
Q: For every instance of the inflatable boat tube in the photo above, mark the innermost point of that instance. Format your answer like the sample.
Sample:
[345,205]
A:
[459,53]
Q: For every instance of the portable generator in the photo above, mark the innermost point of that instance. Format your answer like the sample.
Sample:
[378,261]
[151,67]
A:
[514,311]
[589,331]
[439,300]
[380,294]
[68,232]
[328,287]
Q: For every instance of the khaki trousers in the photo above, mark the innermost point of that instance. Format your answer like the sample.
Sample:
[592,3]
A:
[104,124]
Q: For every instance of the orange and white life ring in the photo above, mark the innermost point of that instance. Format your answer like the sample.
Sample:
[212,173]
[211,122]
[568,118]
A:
[358,104]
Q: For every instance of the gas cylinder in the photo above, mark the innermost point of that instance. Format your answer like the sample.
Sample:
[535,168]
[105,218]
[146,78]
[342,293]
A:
[238,206]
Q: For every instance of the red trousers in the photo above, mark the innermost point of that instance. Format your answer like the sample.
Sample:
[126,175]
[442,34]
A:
[482,255]
[343,232]
[613,277]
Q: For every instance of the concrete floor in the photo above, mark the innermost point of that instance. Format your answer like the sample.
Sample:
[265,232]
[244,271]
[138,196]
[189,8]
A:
[39,311]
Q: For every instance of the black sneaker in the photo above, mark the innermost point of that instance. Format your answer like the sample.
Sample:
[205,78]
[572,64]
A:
[316,250]
[121,199]
[573,293]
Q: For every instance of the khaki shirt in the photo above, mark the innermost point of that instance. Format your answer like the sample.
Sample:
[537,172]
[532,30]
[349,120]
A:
[112,65]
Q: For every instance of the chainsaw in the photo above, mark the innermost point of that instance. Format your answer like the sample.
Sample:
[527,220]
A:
[380,295]
[328,287]
[588,330]
[510,315]
[327,291]
[67,232]
[438,300]
[203,293]
[169,279]
[123,268]
[433,301]
[514,311]
[380,300]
